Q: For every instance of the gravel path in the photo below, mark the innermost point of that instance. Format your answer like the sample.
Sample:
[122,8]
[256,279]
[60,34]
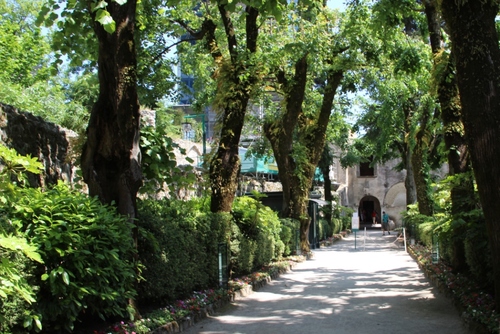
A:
[375,288]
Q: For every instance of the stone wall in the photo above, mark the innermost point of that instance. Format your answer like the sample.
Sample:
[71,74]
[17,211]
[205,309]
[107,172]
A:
[31,135]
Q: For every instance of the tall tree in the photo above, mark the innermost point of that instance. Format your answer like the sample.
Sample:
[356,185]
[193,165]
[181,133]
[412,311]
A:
[236,82]
[297,133]
[111,155]
[237,74]
[474,40]
[462,193]
[400,87]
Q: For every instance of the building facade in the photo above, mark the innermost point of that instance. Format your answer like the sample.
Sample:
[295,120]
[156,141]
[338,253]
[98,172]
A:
[378,188]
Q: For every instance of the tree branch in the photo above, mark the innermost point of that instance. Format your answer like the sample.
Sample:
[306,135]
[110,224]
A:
[207,30]
[251,28]
[165,50]
[232,43]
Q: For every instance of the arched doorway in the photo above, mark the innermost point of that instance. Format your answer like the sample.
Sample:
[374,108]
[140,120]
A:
[366,206]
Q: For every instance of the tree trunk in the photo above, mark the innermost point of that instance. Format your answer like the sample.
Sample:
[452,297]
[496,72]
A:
[111,154]
[294,129]
[225,164]
[280,134]
[421,177]
[421,167]
[406,154]
[411,188]
[477,59]
[324,166]
[462,194]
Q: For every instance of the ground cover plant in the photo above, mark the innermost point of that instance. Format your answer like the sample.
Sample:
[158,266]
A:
[179,310]
[475,304]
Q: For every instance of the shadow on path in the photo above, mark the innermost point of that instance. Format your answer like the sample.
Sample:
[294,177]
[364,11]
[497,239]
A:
[343,290]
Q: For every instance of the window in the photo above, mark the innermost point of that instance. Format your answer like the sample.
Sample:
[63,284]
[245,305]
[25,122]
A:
[365,169]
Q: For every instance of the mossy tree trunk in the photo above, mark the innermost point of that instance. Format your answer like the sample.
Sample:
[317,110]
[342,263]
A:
[419,161]
[111,155]
[298,140]
[404,147]
[462,193]
[236,78]
[476,53]
[324,165]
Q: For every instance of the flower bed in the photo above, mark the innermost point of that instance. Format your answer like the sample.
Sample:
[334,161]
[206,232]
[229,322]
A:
[184,313]
[476,306]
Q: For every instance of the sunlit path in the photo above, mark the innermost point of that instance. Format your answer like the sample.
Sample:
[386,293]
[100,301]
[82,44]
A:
[344,290]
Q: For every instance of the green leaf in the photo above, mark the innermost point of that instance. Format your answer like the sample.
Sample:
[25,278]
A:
[38,323]
[65,278]
[20,244]
[104,18]
[100,5]
[27,322]
[44,277]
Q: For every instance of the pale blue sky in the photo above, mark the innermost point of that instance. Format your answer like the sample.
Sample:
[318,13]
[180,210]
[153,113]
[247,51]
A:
[336,4]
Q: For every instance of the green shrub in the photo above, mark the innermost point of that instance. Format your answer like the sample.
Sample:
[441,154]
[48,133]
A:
[16,306]
[16,253]
[245,257]
[254,236]
[325,229]
[478,255]
[279,250]
[266,244]
[87,250]
[289,235]
[178,247]
[337,225]
[48,256]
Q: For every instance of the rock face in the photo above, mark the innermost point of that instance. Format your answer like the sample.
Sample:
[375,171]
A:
[31,135]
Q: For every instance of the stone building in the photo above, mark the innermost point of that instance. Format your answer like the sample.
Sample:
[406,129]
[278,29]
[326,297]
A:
[365,189]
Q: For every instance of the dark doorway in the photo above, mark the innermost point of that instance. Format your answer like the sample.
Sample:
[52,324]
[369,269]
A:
[368,207]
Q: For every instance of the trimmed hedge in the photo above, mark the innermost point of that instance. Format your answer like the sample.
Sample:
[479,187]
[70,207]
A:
[177,247]
[255,233]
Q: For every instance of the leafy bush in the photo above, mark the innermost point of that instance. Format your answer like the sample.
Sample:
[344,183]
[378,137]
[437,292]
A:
[289,235]
[87,250]
[468,228]
[243,256]
[254,238]
[279,250]
[337,225]
[478,255]
[16,292]
[16,253]
[178,247]
[266,244]
[325,229]
[160,167]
